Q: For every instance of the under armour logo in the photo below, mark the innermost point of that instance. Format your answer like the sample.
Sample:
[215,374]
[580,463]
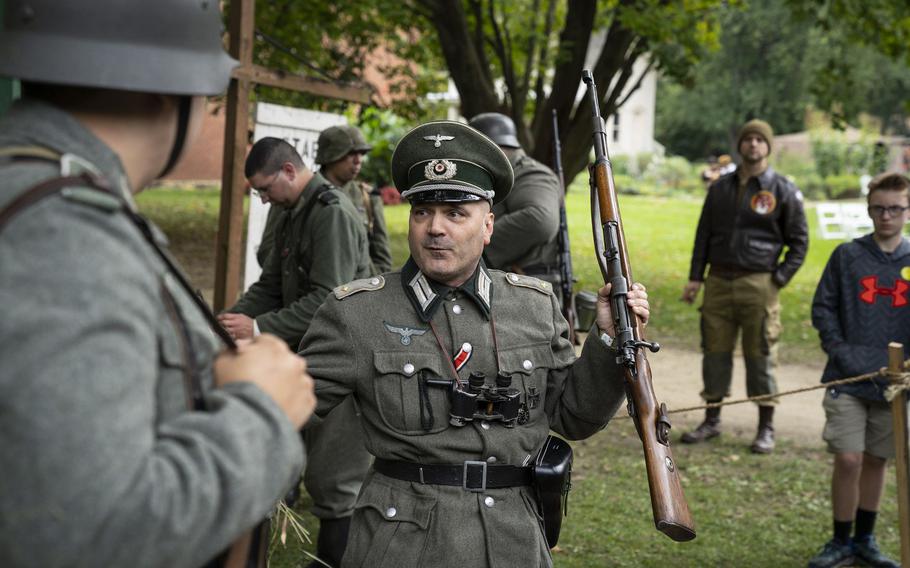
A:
[872,289]
[438,139]
[404,331]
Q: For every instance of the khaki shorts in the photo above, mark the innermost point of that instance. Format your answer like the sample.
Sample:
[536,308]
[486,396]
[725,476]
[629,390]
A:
[858,425]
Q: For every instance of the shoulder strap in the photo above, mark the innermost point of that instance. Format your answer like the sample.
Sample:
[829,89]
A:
[52,186]
[37,193]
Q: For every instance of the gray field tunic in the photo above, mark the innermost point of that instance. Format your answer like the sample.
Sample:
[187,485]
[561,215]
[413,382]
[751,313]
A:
[373,338]
[102,463]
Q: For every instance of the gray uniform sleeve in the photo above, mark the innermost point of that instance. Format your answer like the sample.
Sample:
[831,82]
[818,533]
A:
[332,359]
[532,222]
[92,473]
[581,396]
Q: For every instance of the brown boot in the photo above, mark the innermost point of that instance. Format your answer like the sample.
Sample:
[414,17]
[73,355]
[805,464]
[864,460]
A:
[708,429]
[764,439]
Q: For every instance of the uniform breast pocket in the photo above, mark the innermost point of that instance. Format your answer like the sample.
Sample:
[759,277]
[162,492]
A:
[411,392]
[529,366]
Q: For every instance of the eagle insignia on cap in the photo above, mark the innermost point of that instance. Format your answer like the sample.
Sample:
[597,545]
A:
[438,139]
[439,170]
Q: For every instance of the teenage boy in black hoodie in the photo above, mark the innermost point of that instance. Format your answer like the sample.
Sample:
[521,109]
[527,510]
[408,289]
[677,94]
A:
[862,303]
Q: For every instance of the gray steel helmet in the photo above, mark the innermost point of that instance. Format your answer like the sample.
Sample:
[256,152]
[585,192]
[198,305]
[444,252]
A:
[150,46]
[336,142]
[498,127]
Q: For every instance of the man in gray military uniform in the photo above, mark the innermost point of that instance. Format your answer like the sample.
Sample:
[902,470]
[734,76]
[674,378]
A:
[406,343]
[127,438]
[319,243]
[527,222]
[340,153]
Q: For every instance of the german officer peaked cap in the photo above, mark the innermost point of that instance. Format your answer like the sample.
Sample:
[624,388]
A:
[448,161]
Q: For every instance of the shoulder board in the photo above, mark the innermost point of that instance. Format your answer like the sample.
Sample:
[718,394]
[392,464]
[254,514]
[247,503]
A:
[328,195]
[529,282]
[92,198]
[362,285]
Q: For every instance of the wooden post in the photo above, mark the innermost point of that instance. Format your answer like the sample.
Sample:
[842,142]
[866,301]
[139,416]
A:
[237,118]
[901,459]
[229,244]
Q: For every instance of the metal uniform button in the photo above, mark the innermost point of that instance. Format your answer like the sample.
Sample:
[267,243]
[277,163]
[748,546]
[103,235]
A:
[485,425]
[491,459]
[374,281]
[527,365]
[489,502]
[408,369]
[513,277]
[456,309]
[466,347]
[391,512]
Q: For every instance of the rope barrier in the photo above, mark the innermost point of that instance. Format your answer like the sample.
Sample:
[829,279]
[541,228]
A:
[900,383]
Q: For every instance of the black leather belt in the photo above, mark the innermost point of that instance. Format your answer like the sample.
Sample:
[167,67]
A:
[474,476]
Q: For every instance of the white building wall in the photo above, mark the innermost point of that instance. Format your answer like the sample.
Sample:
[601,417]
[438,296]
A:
[633,133]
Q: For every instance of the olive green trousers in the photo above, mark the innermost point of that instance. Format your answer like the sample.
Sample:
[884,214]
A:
[749,304]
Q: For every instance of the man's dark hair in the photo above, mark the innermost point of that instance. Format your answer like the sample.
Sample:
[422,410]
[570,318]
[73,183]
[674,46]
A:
[267,156]
[889,182]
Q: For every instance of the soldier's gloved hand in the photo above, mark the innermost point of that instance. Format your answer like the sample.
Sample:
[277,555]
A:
[637,300]
[268,363]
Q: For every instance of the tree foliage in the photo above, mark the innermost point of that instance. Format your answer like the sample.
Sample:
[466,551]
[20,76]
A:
[520,57]
[779,57]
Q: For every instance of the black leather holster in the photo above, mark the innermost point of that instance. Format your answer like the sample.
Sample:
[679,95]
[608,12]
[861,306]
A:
[552,482]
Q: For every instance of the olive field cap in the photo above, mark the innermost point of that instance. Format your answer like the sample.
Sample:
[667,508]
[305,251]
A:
[148,46]
[498,127]
[447,161]
[759,127]
[336,142]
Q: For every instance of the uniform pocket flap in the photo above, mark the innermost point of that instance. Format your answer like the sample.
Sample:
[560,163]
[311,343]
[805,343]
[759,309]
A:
[525,359]
[397,505]
[406,363]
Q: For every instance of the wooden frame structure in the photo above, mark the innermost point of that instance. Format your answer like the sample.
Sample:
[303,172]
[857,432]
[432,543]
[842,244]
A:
[242,20]
[902,456]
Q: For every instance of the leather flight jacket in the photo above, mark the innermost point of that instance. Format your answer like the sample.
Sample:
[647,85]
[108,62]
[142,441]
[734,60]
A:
[746,230]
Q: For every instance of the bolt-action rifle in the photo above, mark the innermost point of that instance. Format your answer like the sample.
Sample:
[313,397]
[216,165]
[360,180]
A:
[566,278]
[671,512]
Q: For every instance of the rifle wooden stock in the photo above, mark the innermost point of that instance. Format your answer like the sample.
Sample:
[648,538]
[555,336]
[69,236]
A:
[668,503]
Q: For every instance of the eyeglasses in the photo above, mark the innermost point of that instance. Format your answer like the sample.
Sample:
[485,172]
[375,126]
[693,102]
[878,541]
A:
[892,210]
[265,188]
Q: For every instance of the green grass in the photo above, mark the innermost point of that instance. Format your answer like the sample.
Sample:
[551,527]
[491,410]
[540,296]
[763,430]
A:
[750,510]
[660,232]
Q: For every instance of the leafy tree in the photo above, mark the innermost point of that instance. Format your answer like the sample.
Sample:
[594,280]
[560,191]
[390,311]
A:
[520,57]
[777,58]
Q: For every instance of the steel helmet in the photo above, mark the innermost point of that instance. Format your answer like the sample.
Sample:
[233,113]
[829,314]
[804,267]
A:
[336,142]
[498,127]
[150,46]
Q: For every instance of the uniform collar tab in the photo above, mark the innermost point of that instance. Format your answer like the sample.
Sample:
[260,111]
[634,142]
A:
[426,295]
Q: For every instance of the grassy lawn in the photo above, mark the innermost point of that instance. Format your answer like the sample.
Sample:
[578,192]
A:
[659,232]
[750,510]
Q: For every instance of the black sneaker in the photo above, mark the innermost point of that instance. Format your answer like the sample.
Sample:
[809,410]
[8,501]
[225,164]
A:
[869,554]
[833,555]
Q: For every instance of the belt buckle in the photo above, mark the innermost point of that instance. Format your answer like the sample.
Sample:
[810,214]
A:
[483,478]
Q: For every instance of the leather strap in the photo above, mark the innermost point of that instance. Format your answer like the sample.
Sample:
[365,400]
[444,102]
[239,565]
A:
[473,476]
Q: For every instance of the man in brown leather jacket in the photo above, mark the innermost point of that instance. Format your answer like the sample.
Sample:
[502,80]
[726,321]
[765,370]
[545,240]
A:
[748,219]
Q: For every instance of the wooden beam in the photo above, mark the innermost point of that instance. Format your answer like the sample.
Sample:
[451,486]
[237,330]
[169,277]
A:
[229,244]
[293,82]
[901,458]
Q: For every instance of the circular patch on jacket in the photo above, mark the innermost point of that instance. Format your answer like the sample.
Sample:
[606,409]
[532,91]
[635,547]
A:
[905,273]
[763,202]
